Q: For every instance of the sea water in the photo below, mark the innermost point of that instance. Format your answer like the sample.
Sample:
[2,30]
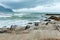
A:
[21,19]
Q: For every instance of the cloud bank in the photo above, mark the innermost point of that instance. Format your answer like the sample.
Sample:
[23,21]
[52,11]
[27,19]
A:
[32,5]
[51,8]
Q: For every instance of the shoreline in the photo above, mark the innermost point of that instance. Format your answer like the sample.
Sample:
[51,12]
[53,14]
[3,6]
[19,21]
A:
[45,30]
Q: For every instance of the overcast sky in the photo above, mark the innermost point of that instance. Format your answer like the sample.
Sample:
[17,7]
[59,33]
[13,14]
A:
[32,5]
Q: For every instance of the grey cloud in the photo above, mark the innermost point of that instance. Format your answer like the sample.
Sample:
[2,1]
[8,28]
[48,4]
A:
[29,3]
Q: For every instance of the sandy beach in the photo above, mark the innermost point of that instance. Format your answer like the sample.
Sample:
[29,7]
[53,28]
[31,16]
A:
[33,35]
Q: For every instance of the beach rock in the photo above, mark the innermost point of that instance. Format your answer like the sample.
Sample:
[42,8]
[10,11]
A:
[29,23]
[47,20]
[13,27]
[55,18]
[36,24]
[47,23]
[27,27]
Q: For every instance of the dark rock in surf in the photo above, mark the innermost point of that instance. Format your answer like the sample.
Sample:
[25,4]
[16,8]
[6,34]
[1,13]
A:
[27,27]
[36,24]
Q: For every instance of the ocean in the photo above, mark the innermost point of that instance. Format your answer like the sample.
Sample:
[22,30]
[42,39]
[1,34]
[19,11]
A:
[20,19]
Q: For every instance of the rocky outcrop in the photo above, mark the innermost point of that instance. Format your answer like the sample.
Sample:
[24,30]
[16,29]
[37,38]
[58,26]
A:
[55,18]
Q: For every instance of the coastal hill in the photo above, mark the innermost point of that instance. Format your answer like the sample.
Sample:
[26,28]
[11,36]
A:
[3,9]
